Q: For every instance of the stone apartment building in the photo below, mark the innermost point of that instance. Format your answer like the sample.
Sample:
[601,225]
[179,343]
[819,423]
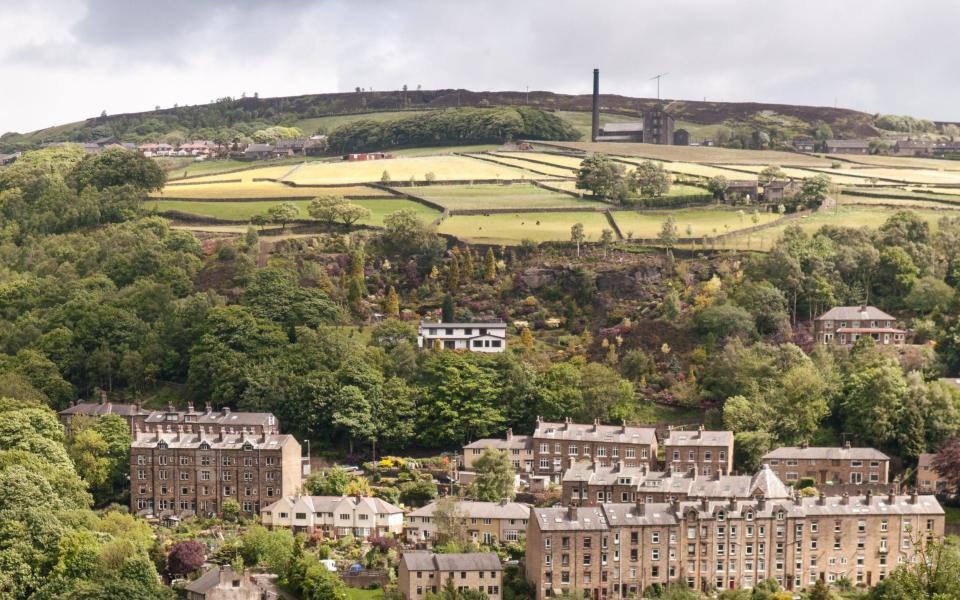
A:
[706,452]
[826,465]
[587,484]
[847,324]
[335,516]
[422,572]
[184,473]
[486,522]
[929,480]
[210,421]
[518,447]
[558,445]
[617,550]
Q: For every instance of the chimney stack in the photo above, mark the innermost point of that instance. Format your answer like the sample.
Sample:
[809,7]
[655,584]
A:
[504,501]
[640,508]
[761,503]
[845,499]
[704,504]
[822,499]
[596,424]
[510,433]
[891,497]
[208,408]
[571,461]
[189,407]
[913,497]
[846,445]
[868,497]
[103,396]
[595,124]
[572,513]
[623,426]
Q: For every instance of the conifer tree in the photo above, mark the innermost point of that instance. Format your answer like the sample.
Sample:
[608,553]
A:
[453,275]
[490,266]
[393,303]
[526,338]
[469,268]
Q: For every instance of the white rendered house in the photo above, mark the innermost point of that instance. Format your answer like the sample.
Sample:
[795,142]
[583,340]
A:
[335,516]
[475,337]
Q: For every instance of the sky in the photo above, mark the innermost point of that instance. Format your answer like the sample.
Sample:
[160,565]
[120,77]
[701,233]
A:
[67,60]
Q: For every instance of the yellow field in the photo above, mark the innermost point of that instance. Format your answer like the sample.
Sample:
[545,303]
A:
[535,168]
[795,173]
[444,168]
[698,170]
[260,189]
[249,175]
[923,176]
[936,190]
[901,161]
[701,154]
[572,162]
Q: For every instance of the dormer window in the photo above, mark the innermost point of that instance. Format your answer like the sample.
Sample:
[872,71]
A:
[204,446]
[162,445]
[721,516]
[248,446]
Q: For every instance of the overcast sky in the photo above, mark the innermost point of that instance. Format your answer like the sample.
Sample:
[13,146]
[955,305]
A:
[66,60]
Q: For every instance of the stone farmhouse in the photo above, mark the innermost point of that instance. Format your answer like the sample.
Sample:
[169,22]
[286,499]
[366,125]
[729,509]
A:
[847,324]
[929,481]
[846,147]
[335,516]
[518,447]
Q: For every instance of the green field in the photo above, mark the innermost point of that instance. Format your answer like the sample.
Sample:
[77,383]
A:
[517,195]
[444,168]
[842,216]
[511,229]
[243,211]
[702,222]
[699,154]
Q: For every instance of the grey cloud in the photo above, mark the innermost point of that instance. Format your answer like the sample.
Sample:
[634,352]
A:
[873,55]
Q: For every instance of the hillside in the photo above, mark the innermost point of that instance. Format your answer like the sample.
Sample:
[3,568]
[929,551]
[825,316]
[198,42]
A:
[326,111]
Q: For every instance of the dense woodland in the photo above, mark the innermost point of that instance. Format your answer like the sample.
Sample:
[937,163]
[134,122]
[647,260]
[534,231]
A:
[94,295]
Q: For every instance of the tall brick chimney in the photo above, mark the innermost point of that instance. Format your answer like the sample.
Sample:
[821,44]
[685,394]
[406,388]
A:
[595,128]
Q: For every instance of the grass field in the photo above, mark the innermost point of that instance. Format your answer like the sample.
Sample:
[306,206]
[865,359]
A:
[517,195]
[920,176]
[702,222]
[560,160]
[261,189]
[268,171]
[697,153]
[243,211]
[402,169]
[511,229]
[676,189]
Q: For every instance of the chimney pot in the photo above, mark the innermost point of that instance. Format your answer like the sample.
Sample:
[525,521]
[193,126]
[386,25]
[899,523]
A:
[845,499]
[846,445]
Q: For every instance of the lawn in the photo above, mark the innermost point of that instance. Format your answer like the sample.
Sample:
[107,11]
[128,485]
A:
[243,211]
[702,154]
[261,189]
[517,195]
[361,594]
[701,222]
[403,169]
[511,229]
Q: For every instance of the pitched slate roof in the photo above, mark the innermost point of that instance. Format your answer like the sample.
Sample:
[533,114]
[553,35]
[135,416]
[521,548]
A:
[596,432]
[223,417]
[766,482]
[855,313]
[326,504]
[481,510]
[516,441]
[847,144]
[825,453]
[699,438]
[474,561]
[97,409]
[226,441]
[210,579]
